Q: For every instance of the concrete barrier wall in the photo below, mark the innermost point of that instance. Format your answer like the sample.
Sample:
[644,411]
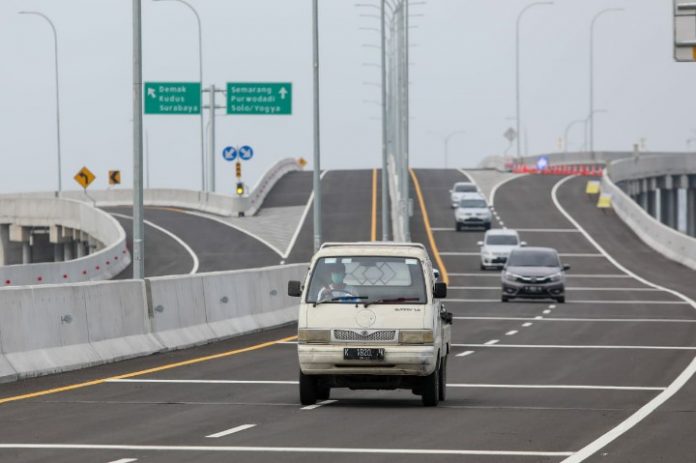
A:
[54,328]
[101,265]
[572,158]
[212,203]
[665,240]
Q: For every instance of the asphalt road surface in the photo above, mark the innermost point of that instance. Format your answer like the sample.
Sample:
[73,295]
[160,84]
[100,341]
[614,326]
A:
[528,381]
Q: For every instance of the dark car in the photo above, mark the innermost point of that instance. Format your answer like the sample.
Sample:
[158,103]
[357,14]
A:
[534,273]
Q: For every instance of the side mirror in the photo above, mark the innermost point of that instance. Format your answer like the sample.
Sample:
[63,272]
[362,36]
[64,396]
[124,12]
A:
[480,243]
[294,288]
[440,290]
[436,274]
[447,317]
[523,243]
[566,268]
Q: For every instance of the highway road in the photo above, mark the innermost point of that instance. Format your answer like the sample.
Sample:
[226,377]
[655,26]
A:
[528,381]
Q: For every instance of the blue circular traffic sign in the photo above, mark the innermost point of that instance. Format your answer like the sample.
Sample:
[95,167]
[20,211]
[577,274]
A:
[229,153]
[246,153]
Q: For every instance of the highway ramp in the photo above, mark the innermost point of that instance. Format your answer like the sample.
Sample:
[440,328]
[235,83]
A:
[528,381]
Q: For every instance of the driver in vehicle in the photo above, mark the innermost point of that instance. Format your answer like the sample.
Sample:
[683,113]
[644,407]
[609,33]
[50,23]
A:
[334,286]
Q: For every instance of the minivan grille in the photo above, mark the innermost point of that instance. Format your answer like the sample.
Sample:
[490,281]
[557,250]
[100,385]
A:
[376,336]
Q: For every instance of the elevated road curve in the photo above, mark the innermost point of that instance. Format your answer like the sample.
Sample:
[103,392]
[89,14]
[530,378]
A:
[528,381]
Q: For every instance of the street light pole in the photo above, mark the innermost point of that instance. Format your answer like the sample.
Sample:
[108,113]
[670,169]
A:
[592,111]
[517,72]
[138,209]
[55,53]
[316,179]
[204,186]
[385,177]
[567,131]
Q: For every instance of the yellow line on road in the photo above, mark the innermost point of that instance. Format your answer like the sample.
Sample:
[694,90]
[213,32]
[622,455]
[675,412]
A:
[428,229]
[168,366]
[373,230]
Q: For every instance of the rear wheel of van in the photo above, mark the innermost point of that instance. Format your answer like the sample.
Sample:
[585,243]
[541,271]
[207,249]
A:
[442,382]
[308,389]
[431,389]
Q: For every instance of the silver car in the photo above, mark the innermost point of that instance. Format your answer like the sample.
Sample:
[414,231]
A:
[534,273]
[472,212]
[497,245]
[458,191]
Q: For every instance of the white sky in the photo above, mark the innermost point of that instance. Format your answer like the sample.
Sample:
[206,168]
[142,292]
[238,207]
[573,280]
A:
[462,79]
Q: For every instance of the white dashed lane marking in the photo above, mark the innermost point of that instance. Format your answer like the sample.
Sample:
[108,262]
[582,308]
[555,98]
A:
[511,333]
[491,342]
[235,430]
[317,405]
[465,353]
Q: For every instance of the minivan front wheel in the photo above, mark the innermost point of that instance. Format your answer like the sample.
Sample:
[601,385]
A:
[308,389]
[431,389]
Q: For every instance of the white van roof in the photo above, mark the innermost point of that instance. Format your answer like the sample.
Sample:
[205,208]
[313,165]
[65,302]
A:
[373,248]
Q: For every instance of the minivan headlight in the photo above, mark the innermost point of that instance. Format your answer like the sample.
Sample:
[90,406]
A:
[416,337]
[313,336]
[556,276]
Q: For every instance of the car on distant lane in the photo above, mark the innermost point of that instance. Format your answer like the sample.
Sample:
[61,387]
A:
[472,212]
[497,245]
[459,189]
[534,273]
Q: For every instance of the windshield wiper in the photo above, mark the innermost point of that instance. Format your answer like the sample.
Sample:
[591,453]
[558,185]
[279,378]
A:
[341,299]
[392,301]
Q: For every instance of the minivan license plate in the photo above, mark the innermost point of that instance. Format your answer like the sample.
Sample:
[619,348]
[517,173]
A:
[360,353]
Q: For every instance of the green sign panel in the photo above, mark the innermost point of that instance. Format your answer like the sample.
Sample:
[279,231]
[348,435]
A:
[259,98]
[172,98]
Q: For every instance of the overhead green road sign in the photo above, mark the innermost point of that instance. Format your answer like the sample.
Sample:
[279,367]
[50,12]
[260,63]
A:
[172,98]
[259,98]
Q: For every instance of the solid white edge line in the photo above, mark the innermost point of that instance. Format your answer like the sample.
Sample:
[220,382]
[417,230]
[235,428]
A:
[192,448]
[318,404]
[556,386]
[169,234]
[591,320]
[563,346]
[308,206]
[672,389]
[234,430]
[569,276]
[239,229]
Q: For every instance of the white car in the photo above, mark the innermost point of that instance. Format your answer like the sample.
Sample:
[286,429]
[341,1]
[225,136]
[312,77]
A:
[496,247]
[459,190]
[371,317]
[472,212]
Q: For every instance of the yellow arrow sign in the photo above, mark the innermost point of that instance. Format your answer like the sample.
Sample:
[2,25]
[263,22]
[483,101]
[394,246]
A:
[302,162]
[114,177]
[84,177]
[593,187]
[604,202]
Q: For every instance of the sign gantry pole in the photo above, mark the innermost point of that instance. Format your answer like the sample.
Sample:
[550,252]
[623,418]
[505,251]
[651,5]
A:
[317,138]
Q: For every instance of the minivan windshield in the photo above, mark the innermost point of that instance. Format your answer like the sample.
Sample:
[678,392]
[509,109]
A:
[502,240]
[471,188]
[533,259]
[472,203]
[367,280]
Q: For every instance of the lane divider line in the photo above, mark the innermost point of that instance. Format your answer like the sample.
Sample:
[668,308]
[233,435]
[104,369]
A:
[605,439]
[319,404]
[511,333]
[373,227]
[426,220]
[554,386]
[465,353]
[489,343]
[198,381]
[164,367]
[125,460]
[527,325]
[227,432]
[329,450]
[590,320]
[181,242]
[573,301]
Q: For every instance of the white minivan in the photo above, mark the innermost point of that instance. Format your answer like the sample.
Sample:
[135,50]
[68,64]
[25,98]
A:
[371,317]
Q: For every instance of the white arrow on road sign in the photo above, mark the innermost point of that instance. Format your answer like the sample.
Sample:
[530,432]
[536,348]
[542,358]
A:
[151,92]
[282,92]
